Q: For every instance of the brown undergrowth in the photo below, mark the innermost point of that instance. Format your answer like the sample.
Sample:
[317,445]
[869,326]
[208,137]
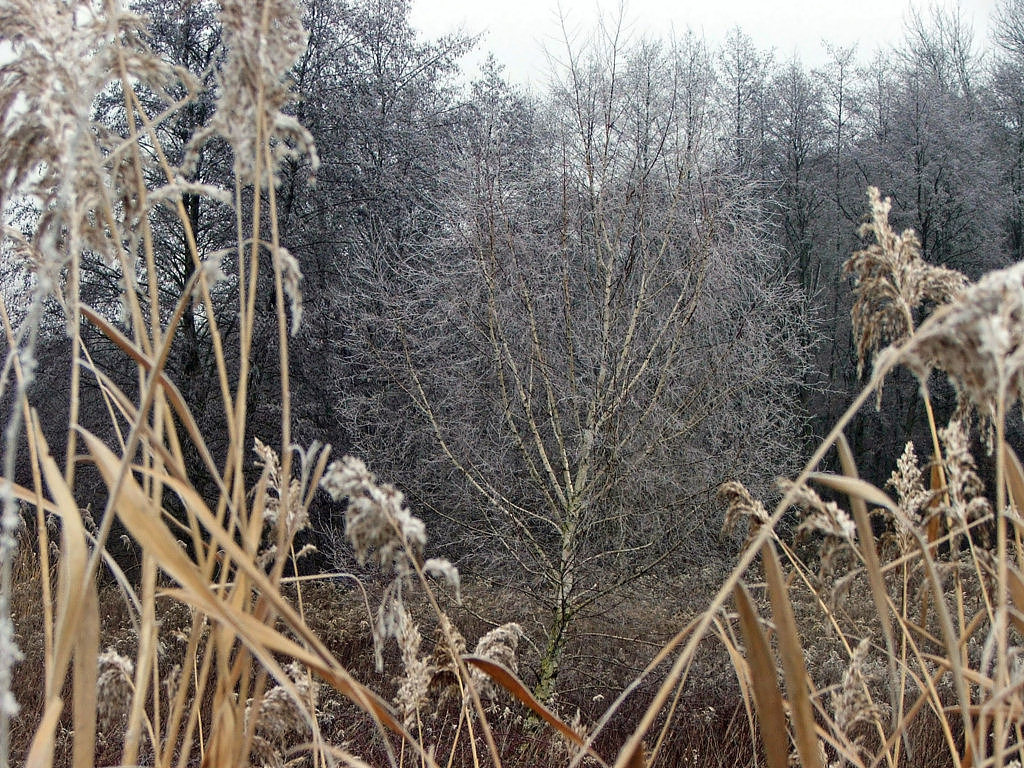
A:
[710,728]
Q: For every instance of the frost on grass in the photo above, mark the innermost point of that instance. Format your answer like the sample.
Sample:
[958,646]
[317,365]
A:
[414,686]
[975,335]
[821,517]
[892,281]
[964,488]
[51,150]
[296,517]
[285,511]
[383,531]
[942,524]
[912,498]
[254,90]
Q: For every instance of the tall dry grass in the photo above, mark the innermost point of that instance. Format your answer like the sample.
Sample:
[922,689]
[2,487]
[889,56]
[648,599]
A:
[896,640]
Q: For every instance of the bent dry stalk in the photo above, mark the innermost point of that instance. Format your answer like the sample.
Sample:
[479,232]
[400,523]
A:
[949,584]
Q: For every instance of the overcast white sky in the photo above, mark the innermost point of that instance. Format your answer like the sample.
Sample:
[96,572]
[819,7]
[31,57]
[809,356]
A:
[517,31]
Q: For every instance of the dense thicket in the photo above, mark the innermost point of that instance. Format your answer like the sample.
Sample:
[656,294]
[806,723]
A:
[561,319]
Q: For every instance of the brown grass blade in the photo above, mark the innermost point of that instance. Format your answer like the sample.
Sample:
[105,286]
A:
[1014,473]
[77,626]
[734,647]
[143,521]
[504,677]
[264,642]
[792,655]
[974,677]
[934,526]
[631,755]
[24,494]
[73,561]
[763,679]
[1015,589]
[29,497]
[1014,477]
[1013,710]
[251,536]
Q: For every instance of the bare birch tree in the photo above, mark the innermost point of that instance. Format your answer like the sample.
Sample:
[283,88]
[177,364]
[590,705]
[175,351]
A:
[599,336]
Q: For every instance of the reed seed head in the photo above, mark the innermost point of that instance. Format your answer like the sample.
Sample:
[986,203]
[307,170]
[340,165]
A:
[262,49]
[414,686]
[500,646]
[377,522]
[978,342]
[825,517]
[912,495]
[279,714]
[851,704]
[114,689]
[891,281]
[297,516]
[741,505]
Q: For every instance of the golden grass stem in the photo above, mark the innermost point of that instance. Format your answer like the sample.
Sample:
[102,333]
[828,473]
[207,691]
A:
[145,663]
[455,739]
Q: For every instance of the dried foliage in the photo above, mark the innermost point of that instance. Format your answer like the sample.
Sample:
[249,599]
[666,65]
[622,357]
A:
[892,282]
[944,576]
[85,190]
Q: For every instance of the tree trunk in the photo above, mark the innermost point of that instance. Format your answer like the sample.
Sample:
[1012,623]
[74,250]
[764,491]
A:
[561,616]
[551,660]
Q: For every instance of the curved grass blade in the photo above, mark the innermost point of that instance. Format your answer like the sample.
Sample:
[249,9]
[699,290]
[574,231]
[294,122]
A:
[504,677]
[764,681]
[792,655]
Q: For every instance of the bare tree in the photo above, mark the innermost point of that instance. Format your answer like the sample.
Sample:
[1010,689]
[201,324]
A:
[928,145]
[1007,110]
[798,150]
[743,97]
[381,104]
[600,336]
